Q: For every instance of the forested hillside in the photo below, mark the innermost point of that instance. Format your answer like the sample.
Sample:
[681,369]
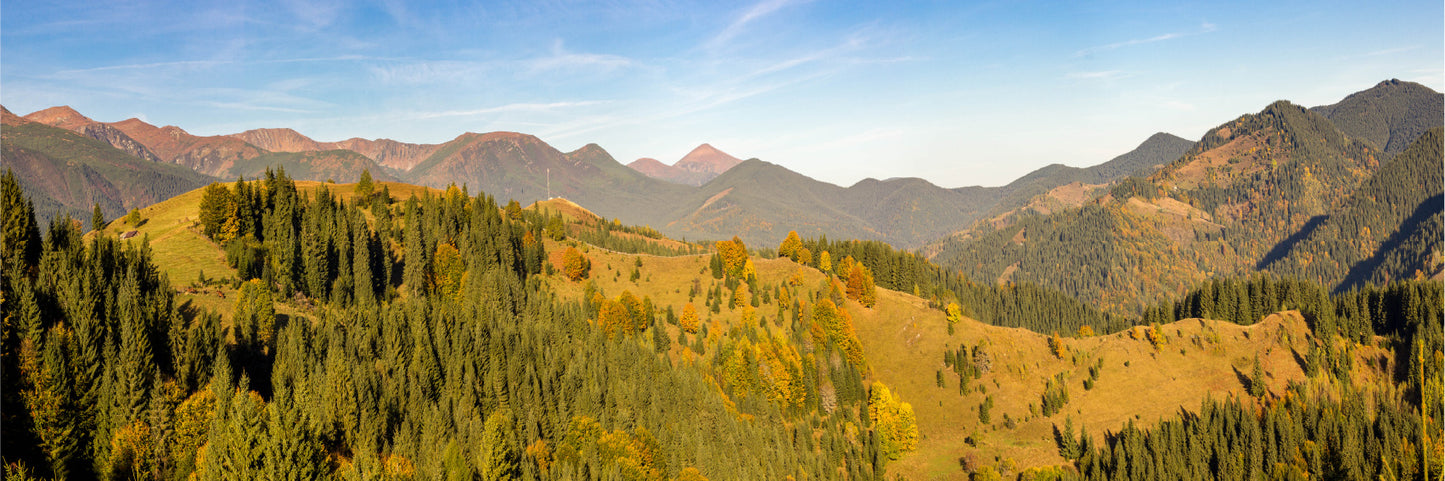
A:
[1382,232]
[1236,201]
[66,172]
[1389,115]
[421,342]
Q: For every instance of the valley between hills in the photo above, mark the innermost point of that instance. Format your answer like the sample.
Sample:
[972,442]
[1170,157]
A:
[1264,302]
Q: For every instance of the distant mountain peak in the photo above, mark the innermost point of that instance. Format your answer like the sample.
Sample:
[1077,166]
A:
[62,116]
[706,158]
[1390,115]
[698,167]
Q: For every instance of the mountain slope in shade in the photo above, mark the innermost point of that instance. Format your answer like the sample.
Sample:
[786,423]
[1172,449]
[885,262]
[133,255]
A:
[64,171]
[1390,115]
[1349,246]
[696,168]
[213,155]
[1247,186]
[389,153]
[68,119]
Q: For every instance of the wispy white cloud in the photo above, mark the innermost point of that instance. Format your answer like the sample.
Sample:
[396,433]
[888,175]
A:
[1204,28]
[1391,51]
[251,107]
[515,107]
[1177,105]
[740,24]
[1100,75]
[314,13]
[197,64]
[421,72]
[561,59]
[142,66]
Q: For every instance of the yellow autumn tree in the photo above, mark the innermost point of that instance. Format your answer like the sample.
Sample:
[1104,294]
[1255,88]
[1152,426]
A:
[781,374]
[614,319]
[893,421]
[954,312]
[734,257]
[789,247]
[825,262]
[688,322]
[837,326]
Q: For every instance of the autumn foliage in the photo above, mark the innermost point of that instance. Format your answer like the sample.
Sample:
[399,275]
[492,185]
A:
[836,326]
[860,284]
[575,265]
[893,420]
[689,321]
[734,255]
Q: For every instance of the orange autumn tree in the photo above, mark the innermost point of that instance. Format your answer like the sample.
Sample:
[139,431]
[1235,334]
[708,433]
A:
[575,265]
[860,284]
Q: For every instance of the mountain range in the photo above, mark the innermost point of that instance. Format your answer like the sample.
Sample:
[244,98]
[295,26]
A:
[709,194]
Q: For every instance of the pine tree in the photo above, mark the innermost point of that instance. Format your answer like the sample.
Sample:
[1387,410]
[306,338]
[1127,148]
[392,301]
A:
[497,457]
[21,234]
[216,207]
[290,452]
[97,219]
[415,273]
[364,186]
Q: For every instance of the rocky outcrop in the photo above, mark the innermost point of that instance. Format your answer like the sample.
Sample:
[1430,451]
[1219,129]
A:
[119,140]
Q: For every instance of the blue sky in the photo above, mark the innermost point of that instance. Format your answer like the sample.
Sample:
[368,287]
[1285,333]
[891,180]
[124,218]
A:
[959,93]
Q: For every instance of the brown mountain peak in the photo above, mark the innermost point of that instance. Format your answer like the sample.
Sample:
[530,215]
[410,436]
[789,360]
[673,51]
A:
[706,158]
[279,140]
[62,116]
[9,118]
[651,167]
